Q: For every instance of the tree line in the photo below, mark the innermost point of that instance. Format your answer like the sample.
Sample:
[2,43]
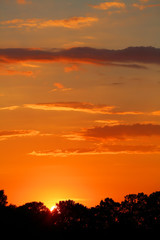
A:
[136,214]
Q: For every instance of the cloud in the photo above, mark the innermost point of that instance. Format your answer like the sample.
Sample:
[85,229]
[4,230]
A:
[17,133]
[132,149]
[127,113]
[71,23]
[73,44]
[73,137]
[109,5]
[108,122]
[59,87]
[9,108]
[121,131]
[30,65]
[72,106]
[142,6]
[74,22]
[7,72]
[11,70]
[156,113]
[84,107]
[131,55]
[108,149]
[23,2]
[72,68]
[81,107]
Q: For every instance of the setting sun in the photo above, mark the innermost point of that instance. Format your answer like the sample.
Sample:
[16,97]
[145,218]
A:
[53,208]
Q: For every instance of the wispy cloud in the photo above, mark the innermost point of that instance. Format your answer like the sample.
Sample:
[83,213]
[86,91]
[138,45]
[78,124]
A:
[81,107]
[107,149]
[109,5]
[84,107]
[143,6]
[9,108]
[108,122]
[72,106]
[71,23]
[23,2]
[59,87]
[7,72]
[156,113]
[124,58]
[30,65]
[72,68]
[121,131]
[144,1]
[17,133]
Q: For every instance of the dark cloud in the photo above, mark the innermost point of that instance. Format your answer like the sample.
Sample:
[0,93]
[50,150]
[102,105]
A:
[122,131]
[131,56]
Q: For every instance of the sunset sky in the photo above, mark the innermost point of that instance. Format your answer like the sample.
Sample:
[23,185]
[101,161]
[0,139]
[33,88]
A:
[79,99]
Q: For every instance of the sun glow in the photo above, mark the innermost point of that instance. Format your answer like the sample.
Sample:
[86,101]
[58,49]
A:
[53,208]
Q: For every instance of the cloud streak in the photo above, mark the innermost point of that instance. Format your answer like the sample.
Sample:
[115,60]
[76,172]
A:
[70,23]
[109,5]
[129,56]
[81,107]
[11,108]
[84,107]
[23,2]
[17,133]
[142,6]
[72,106]
[156,113]
[108,149]
[9,72]
[59,87]
[72,68]
[121,131]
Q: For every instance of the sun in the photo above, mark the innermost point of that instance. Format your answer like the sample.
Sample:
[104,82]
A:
[53,208]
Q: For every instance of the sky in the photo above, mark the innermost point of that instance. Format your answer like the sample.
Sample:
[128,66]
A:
[79,99]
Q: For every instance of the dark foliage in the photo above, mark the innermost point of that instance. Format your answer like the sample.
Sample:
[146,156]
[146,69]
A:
[138,214]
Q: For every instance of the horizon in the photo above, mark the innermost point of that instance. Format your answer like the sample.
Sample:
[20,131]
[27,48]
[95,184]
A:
[79,100]
[52,206]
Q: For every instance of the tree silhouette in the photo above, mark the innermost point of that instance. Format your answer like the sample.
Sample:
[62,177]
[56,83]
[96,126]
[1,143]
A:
[36,215]
[70,215]
[138,213]
[105,214]
[3,198]
[34,208]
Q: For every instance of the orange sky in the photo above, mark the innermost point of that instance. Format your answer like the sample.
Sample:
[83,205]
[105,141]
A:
[79,100]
